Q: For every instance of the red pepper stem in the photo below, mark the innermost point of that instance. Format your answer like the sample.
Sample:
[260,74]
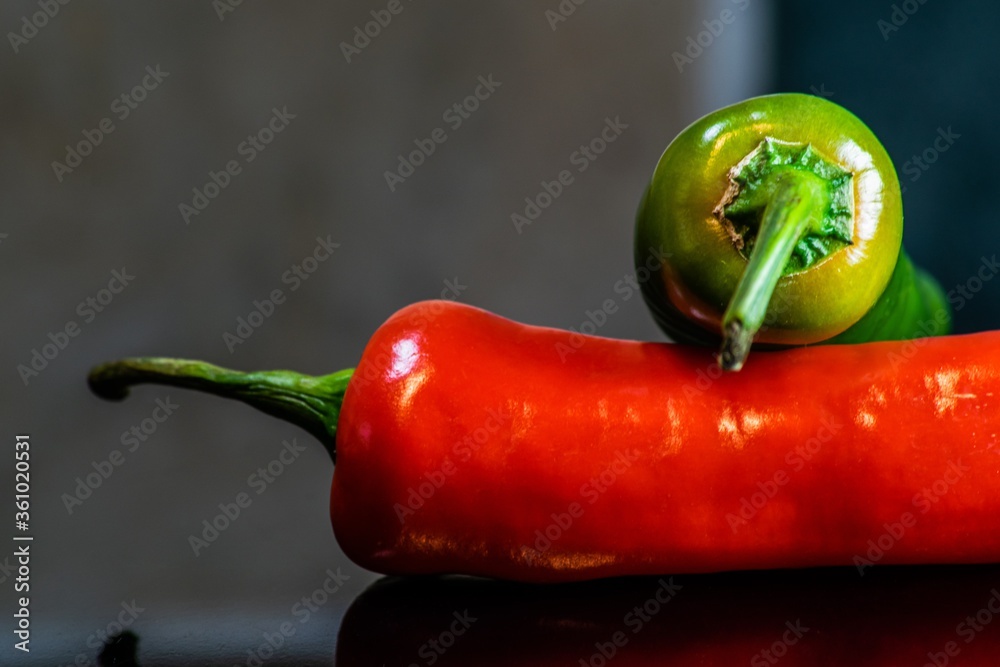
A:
[310,402]
[789,213]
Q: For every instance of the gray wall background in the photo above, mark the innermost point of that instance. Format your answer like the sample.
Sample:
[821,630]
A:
[321,176]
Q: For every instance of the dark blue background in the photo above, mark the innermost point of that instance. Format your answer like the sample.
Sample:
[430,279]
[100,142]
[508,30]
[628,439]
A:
[939,70]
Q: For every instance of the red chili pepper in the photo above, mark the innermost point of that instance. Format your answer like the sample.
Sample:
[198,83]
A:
[467,443]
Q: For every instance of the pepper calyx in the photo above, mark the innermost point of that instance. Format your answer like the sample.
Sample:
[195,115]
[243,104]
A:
[752,183]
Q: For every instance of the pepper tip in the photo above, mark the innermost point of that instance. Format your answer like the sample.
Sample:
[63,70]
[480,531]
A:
[103,383]
[736,341]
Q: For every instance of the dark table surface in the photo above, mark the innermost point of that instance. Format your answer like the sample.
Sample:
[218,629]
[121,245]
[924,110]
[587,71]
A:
[888,616]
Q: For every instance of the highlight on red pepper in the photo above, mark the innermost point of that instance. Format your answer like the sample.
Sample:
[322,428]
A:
[783,221]
[464,444]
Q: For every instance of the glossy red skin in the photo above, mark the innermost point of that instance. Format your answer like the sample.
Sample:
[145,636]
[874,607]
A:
[903,416]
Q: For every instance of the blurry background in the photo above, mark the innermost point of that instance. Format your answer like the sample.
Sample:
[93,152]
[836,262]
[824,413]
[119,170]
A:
[200,79]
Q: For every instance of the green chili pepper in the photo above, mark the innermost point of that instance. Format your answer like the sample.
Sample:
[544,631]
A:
[779,221]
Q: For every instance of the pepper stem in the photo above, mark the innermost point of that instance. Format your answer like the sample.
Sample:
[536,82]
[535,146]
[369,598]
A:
[791,210]
[310,402]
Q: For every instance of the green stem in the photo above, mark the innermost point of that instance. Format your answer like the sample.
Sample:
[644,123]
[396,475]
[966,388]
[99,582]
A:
[788,215]
[310,402]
